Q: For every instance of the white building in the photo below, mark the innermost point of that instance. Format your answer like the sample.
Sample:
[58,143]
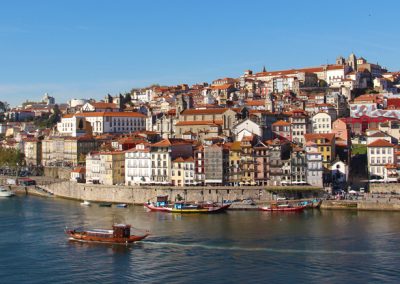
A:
[246,128]
[102,122]
[380,153]
[321,123]
[138,165]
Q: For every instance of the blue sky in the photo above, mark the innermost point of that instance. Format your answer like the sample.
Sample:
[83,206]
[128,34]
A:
[86,49]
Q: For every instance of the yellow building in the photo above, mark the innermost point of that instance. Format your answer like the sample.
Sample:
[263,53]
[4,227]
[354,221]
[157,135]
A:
[182,172]
[326,147]
[235,171]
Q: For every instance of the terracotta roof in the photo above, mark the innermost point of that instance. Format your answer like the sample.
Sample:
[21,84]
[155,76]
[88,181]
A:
[106,114]
[281,123]
[204,111]
[79,170]
[314,136]
[380,143]
[104,105]
[221,87]
[199,122]
[171,141]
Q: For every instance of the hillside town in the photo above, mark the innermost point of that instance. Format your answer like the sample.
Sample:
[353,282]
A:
[330,126]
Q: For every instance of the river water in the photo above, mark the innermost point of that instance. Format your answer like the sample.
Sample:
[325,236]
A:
[234,247]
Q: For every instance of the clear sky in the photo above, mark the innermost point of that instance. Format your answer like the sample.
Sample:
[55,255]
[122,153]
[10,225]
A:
[88,48]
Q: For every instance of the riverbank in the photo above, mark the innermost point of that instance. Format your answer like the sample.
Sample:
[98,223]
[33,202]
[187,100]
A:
[367,205]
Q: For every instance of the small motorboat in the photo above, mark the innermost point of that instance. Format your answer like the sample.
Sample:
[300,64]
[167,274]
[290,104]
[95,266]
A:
[121,205]
[283,208]
[119,234]
[6,193]
[86,203]
[105,204]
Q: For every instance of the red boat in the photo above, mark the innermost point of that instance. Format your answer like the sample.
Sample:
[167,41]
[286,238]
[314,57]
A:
[283,208]
[120,234]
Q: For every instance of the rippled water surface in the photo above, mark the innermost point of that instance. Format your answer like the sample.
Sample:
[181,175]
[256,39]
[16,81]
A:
[235,247]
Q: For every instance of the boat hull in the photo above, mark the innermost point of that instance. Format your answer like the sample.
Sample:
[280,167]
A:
[206,210]
[283,209]
[81,237]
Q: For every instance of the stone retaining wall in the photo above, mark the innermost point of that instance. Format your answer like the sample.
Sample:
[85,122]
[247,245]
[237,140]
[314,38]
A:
[139,195]
[361,205]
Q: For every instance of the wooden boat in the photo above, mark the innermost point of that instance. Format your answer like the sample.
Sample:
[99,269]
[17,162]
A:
[104,204]
[283,208]
[119,234]
[163,205]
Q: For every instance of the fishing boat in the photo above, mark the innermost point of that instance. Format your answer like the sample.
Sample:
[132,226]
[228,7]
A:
[86,203]
[283,208]
[5,192]
[119,234]
[104,204]
[121,205]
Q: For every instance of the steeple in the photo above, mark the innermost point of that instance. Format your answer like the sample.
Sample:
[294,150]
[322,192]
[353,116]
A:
[264,70]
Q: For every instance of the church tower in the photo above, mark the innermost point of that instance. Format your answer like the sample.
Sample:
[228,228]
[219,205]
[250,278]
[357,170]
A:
[352,61]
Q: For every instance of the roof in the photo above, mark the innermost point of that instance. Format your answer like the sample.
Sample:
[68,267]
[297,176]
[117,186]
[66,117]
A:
[204,111]
[314,136]
[281,123]
[104,105]
[79,170]
[170,141]
[221,87]
[199,122]
[105,114]
[380,143]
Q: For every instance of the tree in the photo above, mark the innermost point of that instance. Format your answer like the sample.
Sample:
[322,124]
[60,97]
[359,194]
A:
[4,106]
[322,84]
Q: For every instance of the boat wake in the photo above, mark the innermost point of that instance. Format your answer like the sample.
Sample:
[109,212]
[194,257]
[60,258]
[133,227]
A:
[274,250]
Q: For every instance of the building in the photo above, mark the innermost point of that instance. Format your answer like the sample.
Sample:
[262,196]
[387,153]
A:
[380,153]
[162,155]
[106,168]
[325,143]
[101,122]
[183,172]
[299,125]
[216,164]
[282,130]
[138,165]
[32,151]
[314,168]
[321,123]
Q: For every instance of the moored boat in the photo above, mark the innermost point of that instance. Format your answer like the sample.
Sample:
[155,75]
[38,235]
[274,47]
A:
[119,234]
[86,203]
[283,208]
[311,204]
[5,192]
[121,205]
[163,205]
[105,204]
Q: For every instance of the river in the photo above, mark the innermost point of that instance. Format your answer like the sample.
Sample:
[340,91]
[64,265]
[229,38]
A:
[235,247]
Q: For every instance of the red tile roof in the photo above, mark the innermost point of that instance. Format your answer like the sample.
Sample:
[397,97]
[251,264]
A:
[380,143]
[199,122]
[106,114]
